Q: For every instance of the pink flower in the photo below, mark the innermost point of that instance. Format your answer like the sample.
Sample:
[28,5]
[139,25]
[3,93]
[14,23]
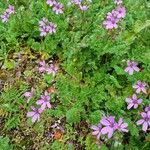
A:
[140,87]
[35,114]
[83,7]
[133,102]
[145,121]
[114,17]
[110,125]
[121,126]
[58,8]
[97,130]
[110,24]
[44,101]
[52,69]
[46,27]
[5,17]
[51,28]
[10,10]
[29,95]
[147,109]
[77,2]
[43,22]
[121,12]
[132,66]
[118,2]
[51,2]
[43,66]
[111,20]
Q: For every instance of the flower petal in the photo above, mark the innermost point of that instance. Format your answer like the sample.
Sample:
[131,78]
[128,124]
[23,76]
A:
[130,71]
[124,125]
[34,118]
[49,105]
[110,133]
[139,122]
[95,133]
[143,114]
[105,122]
[135,106]
[105,130]
[40,101]
[129,106]
[94,127]
[145,126]
[30,114]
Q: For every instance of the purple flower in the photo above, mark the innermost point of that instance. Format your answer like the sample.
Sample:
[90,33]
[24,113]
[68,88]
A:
[111,20]
[44,101]
[10,10]
[83,7]
[51,28]
[114,17]
[145,121]
[97,130]
[5,17]
[52,69]
[29,95]
[43,31]
[42,26]
[77,2]
[110,24]
[51,2]
[121,126]
[121,12]
[133,102]
[35,114]
[140,87]
[43,66]
[46,27]
[147,109]
[118,2]
[132,66]
[58,8]
[110,125]
[43,22]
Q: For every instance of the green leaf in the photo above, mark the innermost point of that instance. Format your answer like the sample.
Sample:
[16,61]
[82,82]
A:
[48,78]
[4,143]
[9,64]
[73,115]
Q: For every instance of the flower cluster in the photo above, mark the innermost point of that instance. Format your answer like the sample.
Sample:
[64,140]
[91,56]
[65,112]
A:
[46,27]
[50,69]
[145,121]
[108,125]
[140,87]
[115,16]
[44,103]
[44,100]
[56,7]
[79,4]
[10,10]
